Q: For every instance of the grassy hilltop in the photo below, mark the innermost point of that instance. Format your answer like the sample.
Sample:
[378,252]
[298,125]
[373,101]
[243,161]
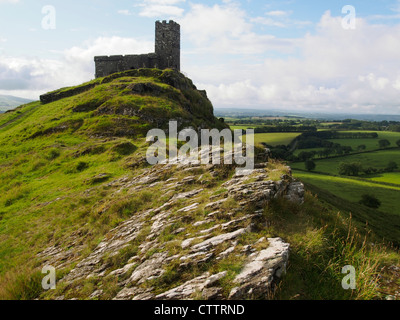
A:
[64,167]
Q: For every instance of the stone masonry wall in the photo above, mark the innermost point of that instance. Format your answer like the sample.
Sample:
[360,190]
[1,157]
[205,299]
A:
[167,53]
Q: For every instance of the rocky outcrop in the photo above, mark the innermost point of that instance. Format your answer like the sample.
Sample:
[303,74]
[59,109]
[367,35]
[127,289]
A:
[263,268]
[179,244]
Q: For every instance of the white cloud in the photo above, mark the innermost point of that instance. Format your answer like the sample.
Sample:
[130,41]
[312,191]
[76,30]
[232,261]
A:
[277,13]
[9,1]
[334,70]
[204,24]
[30,77]
[269,22]
[280,19]
[161,8]
[226,29]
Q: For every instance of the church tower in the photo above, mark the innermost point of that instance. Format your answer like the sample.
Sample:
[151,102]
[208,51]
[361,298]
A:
[168,45]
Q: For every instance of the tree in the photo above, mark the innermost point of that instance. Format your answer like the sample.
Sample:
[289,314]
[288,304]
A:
[398,143]
[370,170]
[361,147]
[310,165]
[384,143]
[370,201]
[392,166]
[350,169]
[305,155]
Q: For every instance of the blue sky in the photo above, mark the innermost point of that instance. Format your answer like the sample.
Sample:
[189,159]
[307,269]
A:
[291,54]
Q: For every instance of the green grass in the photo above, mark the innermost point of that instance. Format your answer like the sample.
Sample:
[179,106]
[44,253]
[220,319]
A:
[378,160]
[371,144]
[57,162]
[387,177]
[352,189]
[298,151]
[274,139]
[322,243]
[243,127]
[55,157]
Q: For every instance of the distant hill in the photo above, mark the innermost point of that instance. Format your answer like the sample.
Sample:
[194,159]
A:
[10,102]
[244,112]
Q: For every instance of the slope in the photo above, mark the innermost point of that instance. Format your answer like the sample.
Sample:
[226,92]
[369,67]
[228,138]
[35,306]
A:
[77,193]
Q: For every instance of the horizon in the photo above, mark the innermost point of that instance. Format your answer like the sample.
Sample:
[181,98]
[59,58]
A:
[271,55]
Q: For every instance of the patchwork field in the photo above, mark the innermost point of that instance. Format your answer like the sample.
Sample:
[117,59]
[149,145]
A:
[378,159]
[371,144]
[275,138]
[352,189]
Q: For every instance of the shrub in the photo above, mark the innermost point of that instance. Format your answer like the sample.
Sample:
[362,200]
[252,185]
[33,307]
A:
[392,166]
[310,165]
[305,155]
[125,148]
[53,154]
[370,201]
[350,169]
[384,143]
[370,170]
[82,166]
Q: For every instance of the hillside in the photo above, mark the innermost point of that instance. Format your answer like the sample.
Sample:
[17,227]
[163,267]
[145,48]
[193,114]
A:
[10,102]
[78,194]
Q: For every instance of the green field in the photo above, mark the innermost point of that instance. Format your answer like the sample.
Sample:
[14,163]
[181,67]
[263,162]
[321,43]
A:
[378,159]
[298,151]
[351,189]
[244,127]
[371,144]
[388,177]
[275,138]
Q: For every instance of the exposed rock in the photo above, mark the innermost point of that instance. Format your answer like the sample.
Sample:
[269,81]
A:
[256,279]
[214,241]
[295,192]
[186,243]
[205,240]
[189,208]
[122,271]
[187,195]
[149,268]
[96,294]
[186,290]
[226,253]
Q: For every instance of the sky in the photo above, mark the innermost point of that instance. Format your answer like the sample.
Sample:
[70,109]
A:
[327,56]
